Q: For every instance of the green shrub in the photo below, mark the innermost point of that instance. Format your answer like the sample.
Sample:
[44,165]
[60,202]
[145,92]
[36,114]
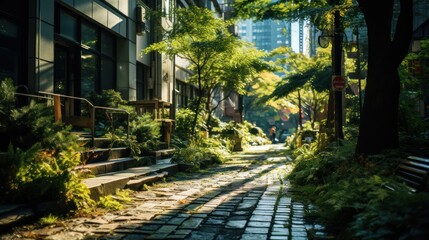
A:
[144,132]
[197,156]
[48,220]
[41,156]
[107,120]
[313,168]
[109,203]
[402,216]
[183,124]
[23,127]
[236,132]
[352,198]
[147,132]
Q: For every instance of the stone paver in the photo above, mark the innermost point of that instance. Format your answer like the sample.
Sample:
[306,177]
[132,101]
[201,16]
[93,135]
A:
[236,200]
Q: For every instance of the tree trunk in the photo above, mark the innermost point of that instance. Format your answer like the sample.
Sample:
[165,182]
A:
[329,126]
[198,105]
[378,128]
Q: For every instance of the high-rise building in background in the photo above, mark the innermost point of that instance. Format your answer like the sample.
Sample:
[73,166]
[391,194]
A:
[266,35]
[270,34]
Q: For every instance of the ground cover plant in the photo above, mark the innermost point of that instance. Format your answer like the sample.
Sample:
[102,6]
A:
[352,196]
[196,153]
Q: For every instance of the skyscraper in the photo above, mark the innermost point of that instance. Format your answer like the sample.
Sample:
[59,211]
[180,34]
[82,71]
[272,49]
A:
[266,35]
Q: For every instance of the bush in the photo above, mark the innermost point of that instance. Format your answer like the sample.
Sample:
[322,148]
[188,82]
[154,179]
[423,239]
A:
[240,133]
[146,131]
[402,216]
[183,124]
[351,196]
[106,120]
[197,156]
[40,158]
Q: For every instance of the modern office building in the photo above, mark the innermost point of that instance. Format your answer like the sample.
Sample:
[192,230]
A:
[79,47]
[266,35]
[270,34]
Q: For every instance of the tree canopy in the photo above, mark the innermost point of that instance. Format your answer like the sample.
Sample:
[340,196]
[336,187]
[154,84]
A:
[389,25]
[218,59]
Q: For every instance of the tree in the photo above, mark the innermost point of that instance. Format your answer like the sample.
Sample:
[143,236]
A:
[218,59]
[232,74]
[309,79]
[263,112]
[379,120]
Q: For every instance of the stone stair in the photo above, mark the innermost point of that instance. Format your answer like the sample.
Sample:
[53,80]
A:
[112,168]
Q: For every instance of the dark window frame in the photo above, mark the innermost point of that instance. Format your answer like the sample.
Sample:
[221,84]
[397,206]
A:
[97,50]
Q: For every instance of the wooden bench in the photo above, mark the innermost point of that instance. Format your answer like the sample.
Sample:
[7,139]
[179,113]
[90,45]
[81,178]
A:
[414,172]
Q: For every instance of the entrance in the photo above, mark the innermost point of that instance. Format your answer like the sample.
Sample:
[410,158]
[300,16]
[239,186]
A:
[66,75]
[66,70]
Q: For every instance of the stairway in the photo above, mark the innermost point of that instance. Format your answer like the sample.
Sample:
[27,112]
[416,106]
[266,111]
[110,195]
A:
[112,168]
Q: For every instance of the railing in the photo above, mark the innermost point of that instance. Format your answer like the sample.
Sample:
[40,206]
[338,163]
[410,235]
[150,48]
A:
[56,98]
[158,108]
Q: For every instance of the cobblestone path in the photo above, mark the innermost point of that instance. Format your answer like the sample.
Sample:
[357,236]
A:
[246,198]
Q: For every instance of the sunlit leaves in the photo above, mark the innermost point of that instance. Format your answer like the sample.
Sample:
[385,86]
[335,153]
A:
[218,59]
[319,13]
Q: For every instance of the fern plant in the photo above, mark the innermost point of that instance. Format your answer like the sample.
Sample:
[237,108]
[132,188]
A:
[41,155]
[147,132]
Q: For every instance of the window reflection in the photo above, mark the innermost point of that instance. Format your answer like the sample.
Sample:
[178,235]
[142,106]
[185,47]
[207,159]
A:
[107,44]
[9,50]
[88,73]
[89,37]
[107,74]
[68,26]
[60,71]
[96,65]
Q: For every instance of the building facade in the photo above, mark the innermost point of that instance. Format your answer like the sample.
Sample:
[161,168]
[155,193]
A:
[80,47]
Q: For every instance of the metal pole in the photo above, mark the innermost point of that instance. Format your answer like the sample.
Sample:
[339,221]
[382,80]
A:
[359,71]
[337,66]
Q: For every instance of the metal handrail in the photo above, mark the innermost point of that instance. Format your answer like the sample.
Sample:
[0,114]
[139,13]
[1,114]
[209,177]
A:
[92,106]
[32,95]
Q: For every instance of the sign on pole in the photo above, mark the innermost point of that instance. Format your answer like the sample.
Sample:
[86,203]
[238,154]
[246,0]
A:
[338,83]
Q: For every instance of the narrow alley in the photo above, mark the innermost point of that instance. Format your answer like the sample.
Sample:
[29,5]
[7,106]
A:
[245,198]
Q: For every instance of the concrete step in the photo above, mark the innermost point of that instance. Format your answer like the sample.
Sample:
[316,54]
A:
[111,165]
[164,153]
[163,161]
[104,154]
[98,142]
[133,178]
[119,164]
[104,164]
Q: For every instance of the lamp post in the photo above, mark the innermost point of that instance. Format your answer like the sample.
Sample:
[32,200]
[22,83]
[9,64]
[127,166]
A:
[338,81]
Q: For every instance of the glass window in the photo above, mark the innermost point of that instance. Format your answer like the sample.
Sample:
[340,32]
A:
[9,50]
[139,81]
[89,37]
[68,26]
[95,50]
[60,71]
[108,44]
[89,76]
[107,74]
[8,29]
